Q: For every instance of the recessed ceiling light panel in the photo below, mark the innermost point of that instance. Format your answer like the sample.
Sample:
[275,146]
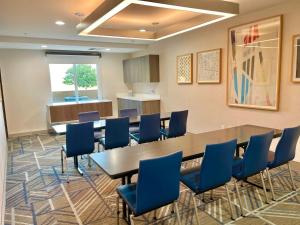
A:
[131,19]
[60,23]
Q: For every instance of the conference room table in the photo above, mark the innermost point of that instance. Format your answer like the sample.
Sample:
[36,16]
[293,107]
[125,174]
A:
[60,129]
[123,163]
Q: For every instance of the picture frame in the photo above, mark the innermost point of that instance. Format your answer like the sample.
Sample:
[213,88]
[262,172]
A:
[295,75]
[209,66]
[184,69]
[254,64]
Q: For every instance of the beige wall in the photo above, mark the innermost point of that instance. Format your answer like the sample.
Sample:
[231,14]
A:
[207,103]
[27,90]
[3,157]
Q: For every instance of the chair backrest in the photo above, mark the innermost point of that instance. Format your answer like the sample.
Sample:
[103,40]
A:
[256,154]
[177,125]
[80,139]
[116,133]
[158,182]
[286,147]
[128,113]
[88,116]
[216,167]
[149,128]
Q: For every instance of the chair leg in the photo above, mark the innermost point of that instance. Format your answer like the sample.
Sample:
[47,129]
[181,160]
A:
[271,185]
[239,198]
[89,161]
[62,160]
[177,212]
[292,179]
[67,171]
[264,186]
[131,219]
[196,210]
[98,146]
[229,202]
[118,210]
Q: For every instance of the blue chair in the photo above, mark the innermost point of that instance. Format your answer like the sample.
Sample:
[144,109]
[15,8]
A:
[131,113]
[79,141]
[254,162]
[149,129]
[116,133]
[157,185]
[177,126]
[91,116]
[88,116]
[284,153]
[215,171]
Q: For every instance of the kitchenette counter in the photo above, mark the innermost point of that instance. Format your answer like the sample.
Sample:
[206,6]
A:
[139,97]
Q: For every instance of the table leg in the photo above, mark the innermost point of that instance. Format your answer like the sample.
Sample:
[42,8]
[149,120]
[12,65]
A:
[237,151]
[164,124]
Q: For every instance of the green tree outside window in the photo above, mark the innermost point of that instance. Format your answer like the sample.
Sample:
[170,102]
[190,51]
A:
[86,76]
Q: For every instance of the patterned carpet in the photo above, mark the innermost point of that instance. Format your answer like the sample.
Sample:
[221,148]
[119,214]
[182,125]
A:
[37,193]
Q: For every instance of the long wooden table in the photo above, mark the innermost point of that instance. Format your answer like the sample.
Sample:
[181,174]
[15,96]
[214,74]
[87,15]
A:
[60,129]
[124,162]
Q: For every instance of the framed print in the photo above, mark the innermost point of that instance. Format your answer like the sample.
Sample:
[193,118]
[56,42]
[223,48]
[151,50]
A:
[185,69]
[254,52]
[209,67]
[296,59]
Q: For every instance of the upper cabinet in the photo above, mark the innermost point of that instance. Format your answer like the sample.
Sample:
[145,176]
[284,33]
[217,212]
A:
[141,69]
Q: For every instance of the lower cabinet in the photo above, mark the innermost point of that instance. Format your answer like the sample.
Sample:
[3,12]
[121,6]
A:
[143,107]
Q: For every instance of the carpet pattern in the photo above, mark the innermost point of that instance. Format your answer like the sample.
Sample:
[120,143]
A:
[37,193]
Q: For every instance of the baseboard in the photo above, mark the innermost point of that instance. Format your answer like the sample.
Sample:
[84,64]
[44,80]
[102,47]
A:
[26,133]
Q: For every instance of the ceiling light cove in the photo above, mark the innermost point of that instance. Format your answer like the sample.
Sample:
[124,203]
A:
[154,19]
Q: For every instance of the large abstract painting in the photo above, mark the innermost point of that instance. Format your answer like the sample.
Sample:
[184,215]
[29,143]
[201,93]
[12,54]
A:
[296,59]
[254,64]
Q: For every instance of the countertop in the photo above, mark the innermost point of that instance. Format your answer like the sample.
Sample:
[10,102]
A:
[139,97]
[77,103]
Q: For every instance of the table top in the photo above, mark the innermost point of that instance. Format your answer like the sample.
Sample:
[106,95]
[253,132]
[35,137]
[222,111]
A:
[121,162]
[100,124]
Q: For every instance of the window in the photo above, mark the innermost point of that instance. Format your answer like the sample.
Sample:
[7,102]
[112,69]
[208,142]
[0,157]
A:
[73,82]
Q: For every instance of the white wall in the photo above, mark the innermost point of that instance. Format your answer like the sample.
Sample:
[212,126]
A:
[3,157]
[207,103]
[27,90]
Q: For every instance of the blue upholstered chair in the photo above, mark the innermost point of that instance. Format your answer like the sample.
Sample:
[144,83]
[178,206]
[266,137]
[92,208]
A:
[79,141]
[91,116]
[215,171]
[131,113]
[116,133]
[157,185]
[284,153]
[254,162]
[88,116]
[177,126]
[149,129]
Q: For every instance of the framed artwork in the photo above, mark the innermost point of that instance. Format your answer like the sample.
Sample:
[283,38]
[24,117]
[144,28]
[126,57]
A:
[185,69]
[254,52]
[296,59]
[209,67]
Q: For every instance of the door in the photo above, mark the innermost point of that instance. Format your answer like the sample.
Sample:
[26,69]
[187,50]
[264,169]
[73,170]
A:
[3,104]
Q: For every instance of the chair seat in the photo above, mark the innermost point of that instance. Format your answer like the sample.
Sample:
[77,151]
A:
[165,132]
[134,129]
[191,178]
[135,136]
[128,194]
[237,168]
[97,135]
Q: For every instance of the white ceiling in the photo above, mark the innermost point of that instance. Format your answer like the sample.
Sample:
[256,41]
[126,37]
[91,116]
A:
[36,19]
